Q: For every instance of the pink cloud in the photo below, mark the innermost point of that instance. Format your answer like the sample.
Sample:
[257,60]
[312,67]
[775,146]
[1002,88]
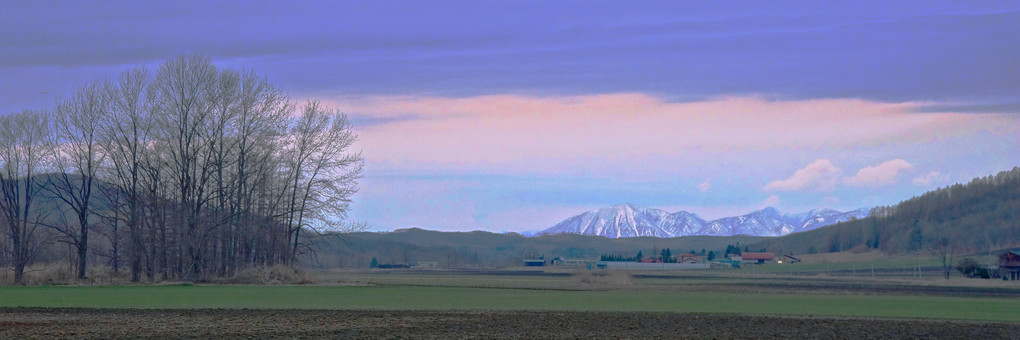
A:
[820,175]
[885,173]
[623,133]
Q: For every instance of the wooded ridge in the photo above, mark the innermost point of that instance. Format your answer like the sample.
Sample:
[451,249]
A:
[976,217]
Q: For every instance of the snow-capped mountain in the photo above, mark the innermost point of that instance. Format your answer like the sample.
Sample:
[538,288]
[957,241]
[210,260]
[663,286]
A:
[625,220]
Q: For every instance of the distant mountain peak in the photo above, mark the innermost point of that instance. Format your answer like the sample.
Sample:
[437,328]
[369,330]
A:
[627,220]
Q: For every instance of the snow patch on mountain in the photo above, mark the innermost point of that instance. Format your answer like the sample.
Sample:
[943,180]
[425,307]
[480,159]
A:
[626,220]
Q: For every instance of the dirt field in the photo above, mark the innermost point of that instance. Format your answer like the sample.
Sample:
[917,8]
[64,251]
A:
[89,324]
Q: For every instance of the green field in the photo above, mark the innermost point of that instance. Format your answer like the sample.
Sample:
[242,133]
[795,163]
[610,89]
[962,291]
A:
[463,298]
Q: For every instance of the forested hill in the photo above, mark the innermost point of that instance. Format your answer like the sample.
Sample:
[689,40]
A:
[979,216]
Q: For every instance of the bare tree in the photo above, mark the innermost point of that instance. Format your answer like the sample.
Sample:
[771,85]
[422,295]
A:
[943,248]
[262,110]
[22,143]
[77,158]
[324,172]
[126,136]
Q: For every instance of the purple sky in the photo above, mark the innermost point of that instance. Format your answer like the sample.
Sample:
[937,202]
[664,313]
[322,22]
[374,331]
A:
[511,116]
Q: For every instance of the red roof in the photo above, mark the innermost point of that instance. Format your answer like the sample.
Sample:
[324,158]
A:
[757,256]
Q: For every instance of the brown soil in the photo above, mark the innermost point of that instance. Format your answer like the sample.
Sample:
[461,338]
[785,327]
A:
[90,323]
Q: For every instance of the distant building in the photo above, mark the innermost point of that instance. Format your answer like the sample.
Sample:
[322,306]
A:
[757,257]
[689,258]
[1009,265]
[585,263]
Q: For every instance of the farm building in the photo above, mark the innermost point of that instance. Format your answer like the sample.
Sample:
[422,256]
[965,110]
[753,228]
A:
[749,257]
[1009,265]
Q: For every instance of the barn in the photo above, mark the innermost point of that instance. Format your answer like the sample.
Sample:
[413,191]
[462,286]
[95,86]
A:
[757,257]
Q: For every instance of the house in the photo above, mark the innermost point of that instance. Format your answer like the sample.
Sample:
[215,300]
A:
[757,257]
[1009,265]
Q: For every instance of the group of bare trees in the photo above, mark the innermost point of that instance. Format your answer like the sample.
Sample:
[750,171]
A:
[189,172]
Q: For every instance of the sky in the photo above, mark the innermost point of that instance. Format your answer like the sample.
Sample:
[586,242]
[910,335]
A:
[515,115]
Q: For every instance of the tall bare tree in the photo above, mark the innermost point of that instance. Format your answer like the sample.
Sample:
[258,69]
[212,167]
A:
[126,135]
[259,122]
[77,157]
[323,170]
[184,105]
[22,144]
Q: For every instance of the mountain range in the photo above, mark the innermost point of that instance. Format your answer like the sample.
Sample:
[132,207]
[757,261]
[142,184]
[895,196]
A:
[626,220]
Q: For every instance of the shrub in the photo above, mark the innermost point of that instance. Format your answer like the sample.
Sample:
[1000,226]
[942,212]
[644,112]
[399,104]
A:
[970,268]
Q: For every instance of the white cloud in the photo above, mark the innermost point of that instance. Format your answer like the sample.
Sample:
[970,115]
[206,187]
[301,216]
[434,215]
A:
[929,178]
[820,175]
[885,173]
[705,186]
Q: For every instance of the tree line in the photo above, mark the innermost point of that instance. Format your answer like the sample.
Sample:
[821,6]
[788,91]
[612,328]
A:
[980,216]
[188,171]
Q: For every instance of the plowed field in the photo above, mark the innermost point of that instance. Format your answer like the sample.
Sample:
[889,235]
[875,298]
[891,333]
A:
[129,323]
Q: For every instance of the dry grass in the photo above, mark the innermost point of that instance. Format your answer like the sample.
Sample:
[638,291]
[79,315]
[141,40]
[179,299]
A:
[602,277]
[62,273]
[272,275]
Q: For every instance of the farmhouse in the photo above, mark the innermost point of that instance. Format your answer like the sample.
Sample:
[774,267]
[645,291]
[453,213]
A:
[1009,265]
[749,257]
